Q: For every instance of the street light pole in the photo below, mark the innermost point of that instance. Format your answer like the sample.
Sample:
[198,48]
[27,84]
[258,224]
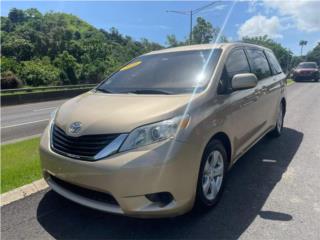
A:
[190,37]
[191,13]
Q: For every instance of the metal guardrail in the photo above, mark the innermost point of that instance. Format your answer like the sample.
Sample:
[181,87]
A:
[37,89]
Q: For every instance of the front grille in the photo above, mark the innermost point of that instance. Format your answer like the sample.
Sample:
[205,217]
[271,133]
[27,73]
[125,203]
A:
[84,192]
[82,147]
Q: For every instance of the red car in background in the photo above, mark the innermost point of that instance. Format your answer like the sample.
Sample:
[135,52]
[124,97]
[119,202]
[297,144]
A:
[306,71]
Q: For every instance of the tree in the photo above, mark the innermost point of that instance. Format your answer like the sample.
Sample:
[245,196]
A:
[9,80]
[69,68]
[39,73]
[173,42]
[9,64]
[6,25]
[203,32]
[148,46]
[16,15]
[17,47]
[33,13]
[63,44]
[314,55]
[302,43]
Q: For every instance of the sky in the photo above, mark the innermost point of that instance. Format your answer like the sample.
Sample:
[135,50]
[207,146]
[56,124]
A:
[287,22]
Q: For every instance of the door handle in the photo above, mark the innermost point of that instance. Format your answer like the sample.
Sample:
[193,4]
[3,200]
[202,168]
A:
[257,93]
[248,100]
[264,89]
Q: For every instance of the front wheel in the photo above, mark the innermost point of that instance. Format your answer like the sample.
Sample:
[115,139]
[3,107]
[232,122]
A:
[212,175]
[276,132]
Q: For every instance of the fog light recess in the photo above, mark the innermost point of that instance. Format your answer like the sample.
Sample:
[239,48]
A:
[161,198]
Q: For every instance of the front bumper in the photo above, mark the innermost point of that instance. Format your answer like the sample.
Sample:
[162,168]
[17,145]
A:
[306,76]
[128,177]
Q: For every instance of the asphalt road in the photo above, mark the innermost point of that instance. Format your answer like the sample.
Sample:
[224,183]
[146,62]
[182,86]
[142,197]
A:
[25,120]
[273,192]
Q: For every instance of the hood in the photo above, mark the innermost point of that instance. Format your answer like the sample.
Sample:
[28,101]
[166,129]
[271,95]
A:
[101,113]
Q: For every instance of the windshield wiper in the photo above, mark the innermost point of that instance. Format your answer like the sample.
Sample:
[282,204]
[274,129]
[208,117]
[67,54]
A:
[103,90]
[149,91]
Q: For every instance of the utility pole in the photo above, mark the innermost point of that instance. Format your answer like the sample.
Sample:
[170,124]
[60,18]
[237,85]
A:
[191,13]
[190,36]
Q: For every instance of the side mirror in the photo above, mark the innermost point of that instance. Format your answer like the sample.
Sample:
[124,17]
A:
[244,81]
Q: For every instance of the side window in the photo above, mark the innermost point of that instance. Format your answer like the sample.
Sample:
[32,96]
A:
[259,63]
[236,63]
[274,64]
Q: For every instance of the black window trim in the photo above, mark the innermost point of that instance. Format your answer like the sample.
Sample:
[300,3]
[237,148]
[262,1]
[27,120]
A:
[224,67]
[265,53]
[258,49]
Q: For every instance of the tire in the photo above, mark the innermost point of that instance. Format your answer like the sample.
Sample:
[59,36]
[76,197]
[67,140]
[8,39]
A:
[277,131]
[217,153]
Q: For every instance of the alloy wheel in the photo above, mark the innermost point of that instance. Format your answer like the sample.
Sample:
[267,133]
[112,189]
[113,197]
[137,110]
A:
[213,175]
[280,120]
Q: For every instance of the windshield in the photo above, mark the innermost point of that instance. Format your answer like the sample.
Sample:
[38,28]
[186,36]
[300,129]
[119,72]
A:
[307,65]
[164,73]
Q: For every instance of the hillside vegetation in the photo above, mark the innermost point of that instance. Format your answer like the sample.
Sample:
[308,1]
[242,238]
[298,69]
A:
[58,49]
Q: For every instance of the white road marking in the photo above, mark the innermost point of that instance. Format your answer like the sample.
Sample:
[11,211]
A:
[43,109]
[21,124]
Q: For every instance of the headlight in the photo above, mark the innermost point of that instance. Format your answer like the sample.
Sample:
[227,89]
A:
[53,116]
[155,132]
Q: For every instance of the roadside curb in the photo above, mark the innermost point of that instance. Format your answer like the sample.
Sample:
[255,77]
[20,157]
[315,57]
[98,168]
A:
[22,192]
[20,139]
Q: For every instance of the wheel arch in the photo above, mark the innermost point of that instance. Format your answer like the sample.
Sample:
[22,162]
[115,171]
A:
[284,104]
[224,138]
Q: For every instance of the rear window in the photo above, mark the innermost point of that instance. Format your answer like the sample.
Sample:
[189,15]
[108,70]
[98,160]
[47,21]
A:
[274,64]
[259,63]
[307,65]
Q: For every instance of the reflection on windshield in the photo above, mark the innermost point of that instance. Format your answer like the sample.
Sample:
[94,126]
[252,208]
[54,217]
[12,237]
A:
[164,73]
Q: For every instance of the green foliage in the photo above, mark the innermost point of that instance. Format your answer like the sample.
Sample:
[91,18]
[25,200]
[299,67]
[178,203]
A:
[283,55]
[314,55]
[9,64]
[173,42]
[20,48]
[296,60]
[16,15]
[39,73]
[59,48]
[203,32]
[69,68]
[9,80]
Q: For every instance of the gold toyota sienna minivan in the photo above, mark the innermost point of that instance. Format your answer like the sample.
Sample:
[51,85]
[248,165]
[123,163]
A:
[159,135]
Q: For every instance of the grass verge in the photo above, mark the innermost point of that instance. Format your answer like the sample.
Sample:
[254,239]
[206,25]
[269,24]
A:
[20,164]
[289,82]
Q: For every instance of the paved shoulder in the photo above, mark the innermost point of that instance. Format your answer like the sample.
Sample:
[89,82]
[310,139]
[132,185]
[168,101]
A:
[26,120]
